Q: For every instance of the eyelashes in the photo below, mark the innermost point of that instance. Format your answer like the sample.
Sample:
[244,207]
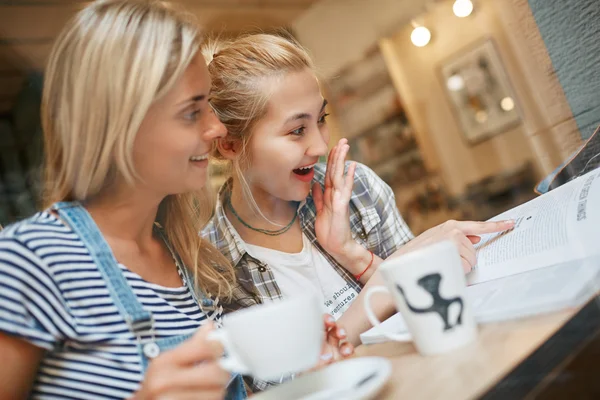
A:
[323,119]
[191,116]
[300,130]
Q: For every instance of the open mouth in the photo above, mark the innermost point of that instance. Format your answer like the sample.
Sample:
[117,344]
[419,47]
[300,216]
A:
[302,171]
[199,158]
[305,173]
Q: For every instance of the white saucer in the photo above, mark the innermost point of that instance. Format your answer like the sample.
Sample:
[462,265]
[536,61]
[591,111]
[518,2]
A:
[356,379]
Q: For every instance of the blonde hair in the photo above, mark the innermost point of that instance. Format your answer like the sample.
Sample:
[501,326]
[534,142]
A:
[111,62]
[242,72]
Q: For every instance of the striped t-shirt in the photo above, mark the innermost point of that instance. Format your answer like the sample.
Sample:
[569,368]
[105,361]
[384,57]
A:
[53,296]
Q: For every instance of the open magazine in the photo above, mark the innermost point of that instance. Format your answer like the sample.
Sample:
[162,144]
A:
[561,225]
[549,261]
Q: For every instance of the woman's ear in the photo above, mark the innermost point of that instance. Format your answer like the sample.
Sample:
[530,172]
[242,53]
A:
[229,149]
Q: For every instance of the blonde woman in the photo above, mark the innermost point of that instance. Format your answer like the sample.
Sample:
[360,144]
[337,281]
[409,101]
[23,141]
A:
[102,294]
[288,223]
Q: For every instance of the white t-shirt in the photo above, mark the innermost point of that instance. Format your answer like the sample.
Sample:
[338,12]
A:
[307,271]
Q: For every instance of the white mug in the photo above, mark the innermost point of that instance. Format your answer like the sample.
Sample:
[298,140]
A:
[275,339]
[429,287]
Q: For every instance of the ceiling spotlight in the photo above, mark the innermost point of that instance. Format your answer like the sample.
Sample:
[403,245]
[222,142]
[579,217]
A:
[420,36]
[462,8]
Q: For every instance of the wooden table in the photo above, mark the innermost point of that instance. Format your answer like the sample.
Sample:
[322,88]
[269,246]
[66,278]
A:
[467,372]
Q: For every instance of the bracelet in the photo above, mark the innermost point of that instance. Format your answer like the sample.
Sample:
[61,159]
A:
[357,277]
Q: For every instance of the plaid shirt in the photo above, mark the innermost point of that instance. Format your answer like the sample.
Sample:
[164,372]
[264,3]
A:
[374,221]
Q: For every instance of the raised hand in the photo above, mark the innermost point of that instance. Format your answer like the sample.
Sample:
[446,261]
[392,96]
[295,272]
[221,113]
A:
[332,225]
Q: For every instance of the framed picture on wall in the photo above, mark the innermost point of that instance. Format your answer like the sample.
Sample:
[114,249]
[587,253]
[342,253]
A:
[480,92]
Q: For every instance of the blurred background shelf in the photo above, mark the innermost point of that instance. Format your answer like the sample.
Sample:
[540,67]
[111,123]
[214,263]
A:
[369,112]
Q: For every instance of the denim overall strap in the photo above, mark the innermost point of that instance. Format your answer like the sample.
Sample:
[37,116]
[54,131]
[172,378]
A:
[139,320]
[84,226]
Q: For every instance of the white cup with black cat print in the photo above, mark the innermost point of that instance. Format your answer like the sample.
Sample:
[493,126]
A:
[429,288]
